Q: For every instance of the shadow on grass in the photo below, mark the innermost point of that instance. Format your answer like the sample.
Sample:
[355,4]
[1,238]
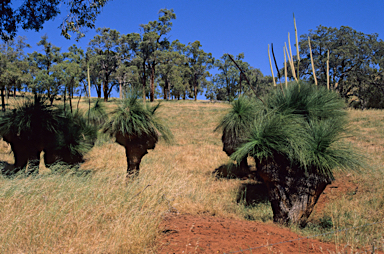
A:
[252,193]
[6,169]
[231,171]
[59,168]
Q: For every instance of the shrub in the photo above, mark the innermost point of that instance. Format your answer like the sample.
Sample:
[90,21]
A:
[295,140]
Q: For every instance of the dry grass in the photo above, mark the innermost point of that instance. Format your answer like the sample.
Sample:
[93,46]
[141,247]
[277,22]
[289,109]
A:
[102,213]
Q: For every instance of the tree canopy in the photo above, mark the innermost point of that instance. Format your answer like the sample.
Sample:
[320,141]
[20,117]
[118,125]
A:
[31,15]
[355,63]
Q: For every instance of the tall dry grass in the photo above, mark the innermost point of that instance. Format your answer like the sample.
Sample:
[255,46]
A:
[103,213]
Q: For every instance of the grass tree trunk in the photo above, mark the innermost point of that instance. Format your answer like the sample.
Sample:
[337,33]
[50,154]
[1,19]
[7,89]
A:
[229,147]
[24,152]
[135,149]
[292,192]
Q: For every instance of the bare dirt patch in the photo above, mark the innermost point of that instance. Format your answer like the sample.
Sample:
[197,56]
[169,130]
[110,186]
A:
[186,233]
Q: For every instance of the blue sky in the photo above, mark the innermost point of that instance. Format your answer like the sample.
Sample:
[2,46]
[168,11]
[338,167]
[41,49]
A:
[229,26]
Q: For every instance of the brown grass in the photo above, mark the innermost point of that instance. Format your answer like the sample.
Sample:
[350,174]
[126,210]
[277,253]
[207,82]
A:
[103,213]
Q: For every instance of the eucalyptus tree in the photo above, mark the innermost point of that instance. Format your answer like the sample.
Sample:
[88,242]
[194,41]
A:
[12,66]
[44,62]
[140,53]
[94,71]
[73,72]
[104,47]
[228,79]
[353,58]
[31,15]
[199,63]
[127,73]
[154,40]
[170,69]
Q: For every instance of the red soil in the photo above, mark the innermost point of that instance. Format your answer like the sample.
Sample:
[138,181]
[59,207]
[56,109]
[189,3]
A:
[184,233]
[205,234]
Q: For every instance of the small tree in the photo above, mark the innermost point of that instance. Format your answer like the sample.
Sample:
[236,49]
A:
[35,126]
[235,126]
[137,128]
[295,141]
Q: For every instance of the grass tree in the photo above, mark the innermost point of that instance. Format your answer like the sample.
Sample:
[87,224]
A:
[28,129]
[34,126]
[96,115]
[136,127]
[295,140]
[74,138]
[236,125]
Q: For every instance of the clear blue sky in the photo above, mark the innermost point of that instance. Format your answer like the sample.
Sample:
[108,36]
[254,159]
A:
[229,26]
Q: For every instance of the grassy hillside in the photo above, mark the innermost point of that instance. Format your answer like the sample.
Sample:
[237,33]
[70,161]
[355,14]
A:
[103,212]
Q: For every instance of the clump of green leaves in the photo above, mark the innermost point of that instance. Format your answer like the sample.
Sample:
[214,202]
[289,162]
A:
[32,120]
[236,124]
[96,114]
[133,118]
[305,124]
[75,136]
[35,126]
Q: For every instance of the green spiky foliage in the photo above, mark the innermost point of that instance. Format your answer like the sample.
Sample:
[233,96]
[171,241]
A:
[74,138]
[29,128]
[236,123]
[137,128]
[295,140]
[30,119]
[132,118]
[35,126]
[235,126]
[303,123]
[96,115]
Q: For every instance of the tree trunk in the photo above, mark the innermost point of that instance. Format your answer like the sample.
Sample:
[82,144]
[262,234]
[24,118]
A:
[121,92]
[152,93]
[2,99]
[14,92]
[169,89]
[195,89]
[70,99]
[105,90]
[292,192]
[135,149]
[98,90]
[144,82]
[230,146]
[65,96]
[23,152]
[240,83]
